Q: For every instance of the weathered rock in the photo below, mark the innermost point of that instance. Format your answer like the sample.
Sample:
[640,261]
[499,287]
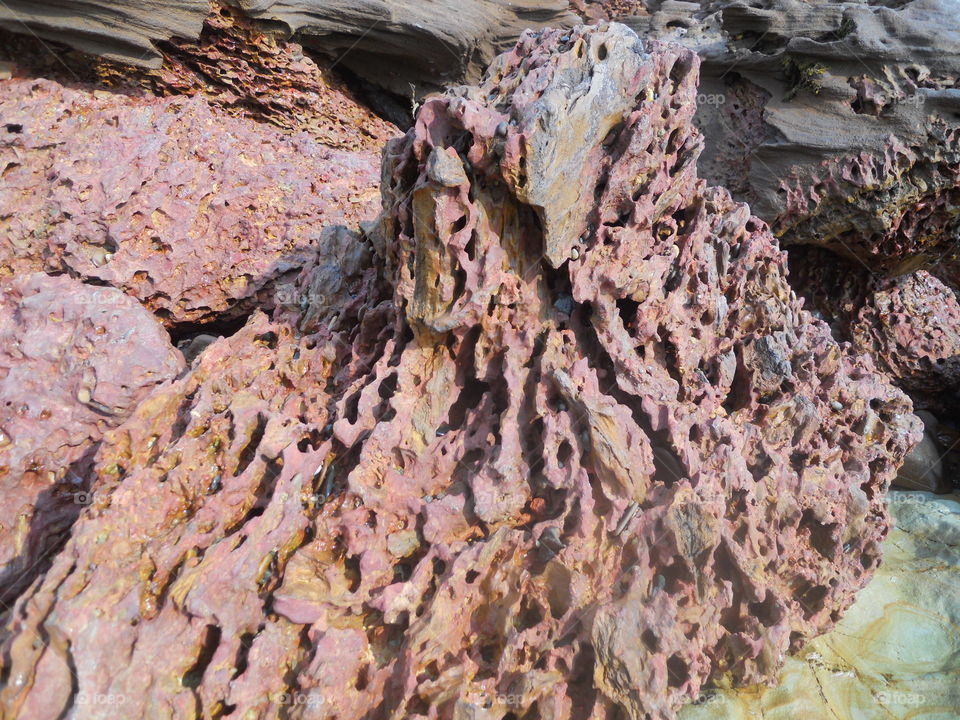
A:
[837,121]
[250,73]
[595,10]
[195,213]
[895,653]
[124,31]
[407,46]
[75,360]
[568,448]
[910,324]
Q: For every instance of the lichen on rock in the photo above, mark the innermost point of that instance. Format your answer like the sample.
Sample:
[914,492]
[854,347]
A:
[570,447]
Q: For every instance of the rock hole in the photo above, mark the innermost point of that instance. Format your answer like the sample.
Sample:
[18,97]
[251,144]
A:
[208,646]
[677,671]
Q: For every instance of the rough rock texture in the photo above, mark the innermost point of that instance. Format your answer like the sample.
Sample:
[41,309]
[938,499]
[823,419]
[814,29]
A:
[595,10]
[895,654]
[837,121]
[394,43]
[194,213]
[572,451]
[910,324]
[249,73]
[74,362]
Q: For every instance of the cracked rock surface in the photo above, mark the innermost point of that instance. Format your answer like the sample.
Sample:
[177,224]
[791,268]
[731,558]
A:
[568,446]
[75,360]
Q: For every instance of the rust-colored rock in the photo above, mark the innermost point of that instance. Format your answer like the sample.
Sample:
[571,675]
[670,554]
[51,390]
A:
[574,451]
[195,213]
[910,326]
[253,74]
[75,361]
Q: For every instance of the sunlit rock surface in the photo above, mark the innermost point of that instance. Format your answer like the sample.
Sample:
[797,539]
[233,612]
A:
[895,653]
[556,438]
[195,213]
[75,360]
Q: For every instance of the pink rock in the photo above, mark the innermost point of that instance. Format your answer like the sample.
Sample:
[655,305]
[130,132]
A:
[76,359]
[630,461]
[910,325]
[195,213]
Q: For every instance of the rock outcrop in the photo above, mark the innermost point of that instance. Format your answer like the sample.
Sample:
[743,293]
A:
[194,212]
[407,46]
[75,360]
[909,324]
[570,447]
[837,121]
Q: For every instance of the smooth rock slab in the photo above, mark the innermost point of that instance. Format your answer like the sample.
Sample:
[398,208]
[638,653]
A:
[895,653]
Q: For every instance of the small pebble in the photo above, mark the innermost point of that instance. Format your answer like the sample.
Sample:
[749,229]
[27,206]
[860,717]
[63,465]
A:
[838,406]
[501,130]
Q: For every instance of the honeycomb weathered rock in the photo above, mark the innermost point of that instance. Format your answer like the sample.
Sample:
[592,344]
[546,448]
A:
[576,451]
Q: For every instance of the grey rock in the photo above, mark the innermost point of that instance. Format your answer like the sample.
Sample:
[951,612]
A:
[836,121]
[408,46]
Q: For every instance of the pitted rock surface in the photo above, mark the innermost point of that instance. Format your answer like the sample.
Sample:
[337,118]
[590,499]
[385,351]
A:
[836,121]
[75,362]
[575,451]
[909,324]
[195,213]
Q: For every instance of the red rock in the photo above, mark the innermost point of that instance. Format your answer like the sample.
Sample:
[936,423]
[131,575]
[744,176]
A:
[195,213]
[76,359]
[910,325]
[569,447]
[249,73]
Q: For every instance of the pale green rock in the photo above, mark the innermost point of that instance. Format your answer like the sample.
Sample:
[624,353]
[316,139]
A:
[896,653]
